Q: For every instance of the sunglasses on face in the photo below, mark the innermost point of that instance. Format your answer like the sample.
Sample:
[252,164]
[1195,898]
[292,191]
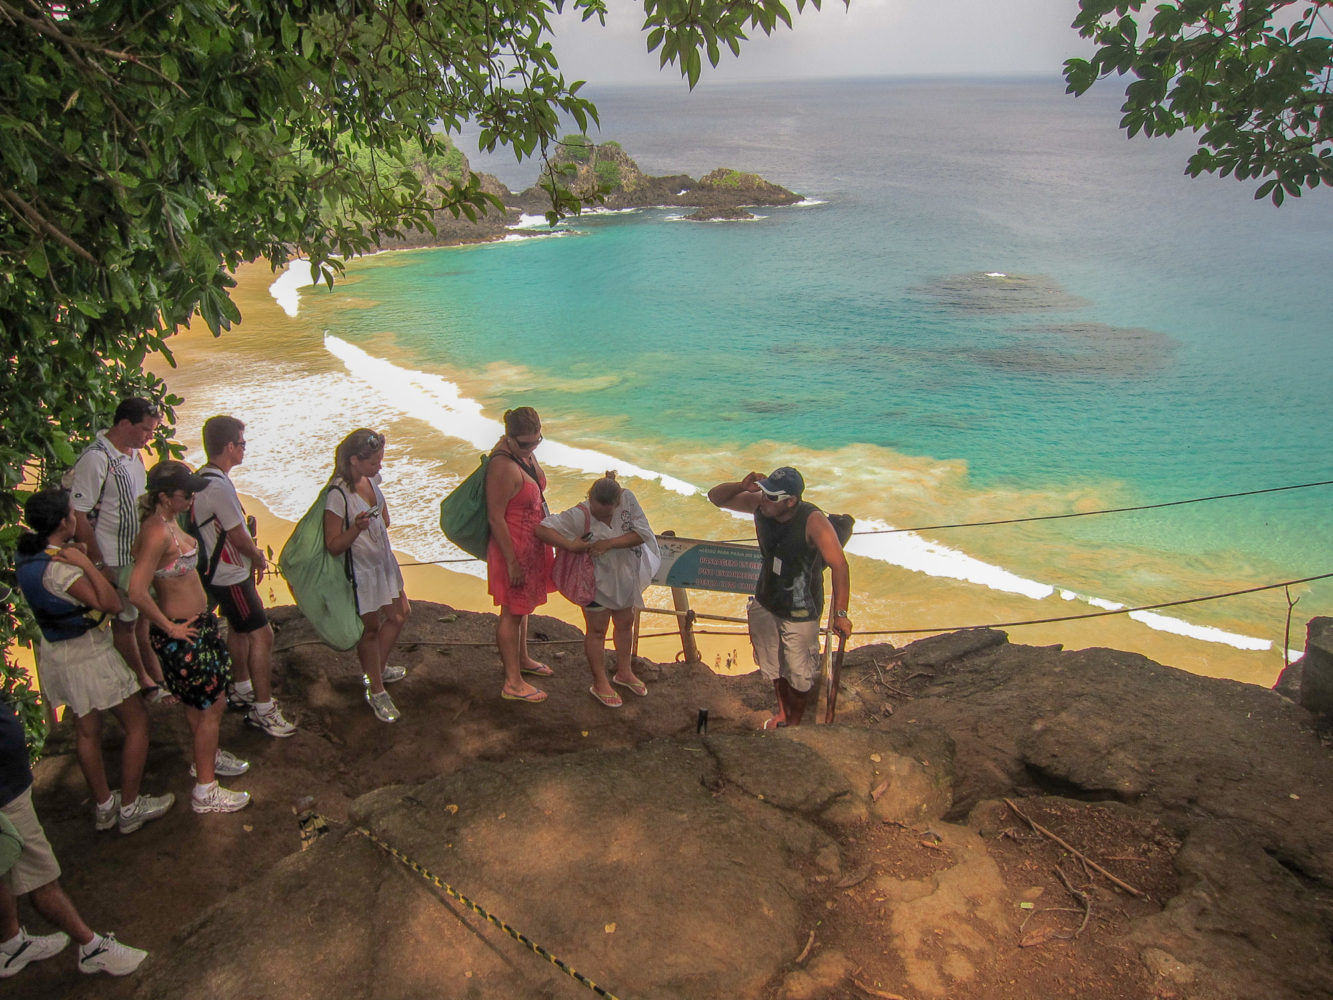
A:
[529,444]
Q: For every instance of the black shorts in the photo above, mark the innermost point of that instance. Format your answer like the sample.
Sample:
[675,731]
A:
[240,605]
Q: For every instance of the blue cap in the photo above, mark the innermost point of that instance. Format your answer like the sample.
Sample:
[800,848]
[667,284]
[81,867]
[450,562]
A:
[782,483]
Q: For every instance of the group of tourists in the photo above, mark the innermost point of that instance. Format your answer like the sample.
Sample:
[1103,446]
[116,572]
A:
[152,553]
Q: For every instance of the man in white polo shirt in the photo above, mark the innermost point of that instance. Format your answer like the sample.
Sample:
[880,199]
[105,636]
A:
[105,485]
[228,560]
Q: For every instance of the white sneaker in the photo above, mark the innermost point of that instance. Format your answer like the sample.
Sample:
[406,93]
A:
[391,675]
[220,800]
[106,954]
[30,949]
[225,765]
[270,722]
[105,819]
[143,809]
[240,701]
[385,709]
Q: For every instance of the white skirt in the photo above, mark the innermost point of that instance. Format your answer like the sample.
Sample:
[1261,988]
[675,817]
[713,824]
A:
[85,673]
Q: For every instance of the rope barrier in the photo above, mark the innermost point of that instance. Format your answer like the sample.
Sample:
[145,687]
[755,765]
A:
[476,908]
[1007,520]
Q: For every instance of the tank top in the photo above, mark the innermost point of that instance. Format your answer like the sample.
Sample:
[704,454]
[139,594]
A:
[791,579]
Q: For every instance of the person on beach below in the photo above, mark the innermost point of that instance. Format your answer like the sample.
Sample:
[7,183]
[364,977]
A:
[104,484]
[36,873]
[610,526]
[518,563]
[230,560]
[357,518]
[184,633]
[796,542]
[77,662]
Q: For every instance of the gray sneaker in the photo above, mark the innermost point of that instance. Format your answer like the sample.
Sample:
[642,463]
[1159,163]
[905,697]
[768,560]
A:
[30,949]
[220,800]
[270,722]
[143,809]
[385,709]
[225,765]
[105,819]
[392,675]
[106,954]
[240,701]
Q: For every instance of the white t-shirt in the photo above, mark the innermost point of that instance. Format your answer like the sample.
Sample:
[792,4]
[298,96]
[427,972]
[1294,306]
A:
[106,484]
[621,574]
[217,508]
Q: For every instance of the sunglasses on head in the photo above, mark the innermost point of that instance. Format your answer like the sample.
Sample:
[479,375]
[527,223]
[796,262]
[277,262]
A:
[372,444]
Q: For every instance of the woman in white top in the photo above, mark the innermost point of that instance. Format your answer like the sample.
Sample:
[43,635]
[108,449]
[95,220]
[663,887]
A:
[611,526]
[357,518]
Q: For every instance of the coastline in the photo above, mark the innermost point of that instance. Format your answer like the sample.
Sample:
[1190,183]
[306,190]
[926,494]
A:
[281,360]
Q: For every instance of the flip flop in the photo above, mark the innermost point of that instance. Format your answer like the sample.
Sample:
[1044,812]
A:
[540,670]
[611,700]
[773,722]
[638,687]
[532,697]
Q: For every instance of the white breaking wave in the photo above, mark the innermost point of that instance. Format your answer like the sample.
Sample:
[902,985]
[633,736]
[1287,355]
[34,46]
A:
[286,288]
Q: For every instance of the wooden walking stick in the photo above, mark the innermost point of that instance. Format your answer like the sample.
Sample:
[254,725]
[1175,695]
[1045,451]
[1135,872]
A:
[834,676]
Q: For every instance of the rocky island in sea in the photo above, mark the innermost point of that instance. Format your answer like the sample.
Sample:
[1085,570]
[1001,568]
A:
[600,171]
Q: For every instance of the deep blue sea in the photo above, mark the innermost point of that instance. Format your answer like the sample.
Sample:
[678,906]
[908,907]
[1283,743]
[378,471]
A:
[991,304]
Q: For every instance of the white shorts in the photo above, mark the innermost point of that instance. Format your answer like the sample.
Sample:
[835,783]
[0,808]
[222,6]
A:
[37,865]
[785,649]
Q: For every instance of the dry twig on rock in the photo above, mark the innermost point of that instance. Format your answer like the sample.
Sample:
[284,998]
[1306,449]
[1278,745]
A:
[1081,896]
[872,992]
[1072,850]
[805,952]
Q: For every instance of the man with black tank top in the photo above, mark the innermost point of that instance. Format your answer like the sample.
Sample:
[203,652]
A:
[796,542]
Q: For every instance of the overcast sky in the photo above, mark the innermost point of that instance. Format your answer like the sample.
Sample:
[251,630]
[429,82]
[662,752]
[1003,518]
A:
[872,38]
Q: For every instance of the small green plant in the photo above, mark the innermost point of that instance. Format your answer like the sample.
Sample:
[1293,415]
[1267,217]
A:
[608,174]
[577,147]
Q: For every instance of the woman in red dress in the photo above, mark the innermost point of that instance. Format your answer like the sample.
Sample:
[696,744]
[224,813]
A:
[518,564]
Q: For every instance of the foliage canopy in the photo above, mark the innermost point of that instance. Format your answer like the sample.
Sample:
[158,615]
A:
[1251,77]
[147,148]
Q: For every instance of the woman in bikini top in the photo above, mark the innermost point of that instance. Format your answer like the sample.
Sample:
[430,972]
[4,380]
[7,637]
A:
[163,582]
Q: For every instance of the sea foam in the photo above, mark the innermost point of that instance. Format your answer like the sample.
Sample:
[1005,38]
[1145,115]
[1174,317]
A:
[440,403]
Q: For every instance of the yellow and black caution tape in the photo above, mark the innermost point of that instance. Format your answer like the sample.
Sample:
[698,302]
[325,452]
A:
[313,826]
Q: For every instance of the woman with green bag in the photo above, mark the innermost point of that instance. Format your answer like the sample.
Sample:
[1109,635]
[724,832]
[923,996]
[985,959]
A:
[356,521]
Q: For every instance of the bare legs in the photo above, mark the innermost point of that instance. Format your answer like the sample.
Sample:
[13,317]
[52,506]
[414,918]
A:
[511,638]
[88,748]
[204,726]
[595,622]
[252,660]
[51,902]
[131,642]
[380,633]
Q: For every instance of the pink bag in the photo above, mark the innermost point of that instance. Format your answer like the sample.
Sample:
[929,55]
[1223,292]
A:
[573,573]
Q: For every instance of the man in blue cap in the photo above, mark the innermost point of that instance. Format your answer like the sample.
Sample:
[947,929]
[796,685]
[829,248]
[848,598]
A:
[796,542]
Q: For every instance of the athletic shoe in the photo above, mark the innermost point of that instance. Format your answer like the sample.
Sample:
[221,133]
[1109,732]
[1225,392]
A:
[30,949]
[392,675]
[105,819]
[270,722]
[240,701]
[385,709]
[108,955]
[225,765]
[143,809]
[220,800]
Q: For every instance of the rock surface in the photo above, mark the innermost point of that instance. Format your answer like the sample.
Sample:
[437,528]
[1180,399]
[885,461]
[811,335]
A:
[908,850]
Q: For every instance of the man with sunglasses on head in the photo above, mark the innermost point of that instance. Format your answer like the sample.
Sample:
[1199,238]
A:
[229,560]
[796,542]
[105,485]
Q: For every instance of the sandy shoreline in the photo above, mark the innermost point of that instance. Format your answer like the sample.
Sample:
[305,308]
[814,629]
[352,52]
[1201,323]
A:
[889,602]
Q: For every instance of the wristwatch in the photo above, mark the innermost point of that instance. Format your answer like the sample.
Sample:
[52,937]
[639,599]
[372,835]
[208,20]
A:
[840,614]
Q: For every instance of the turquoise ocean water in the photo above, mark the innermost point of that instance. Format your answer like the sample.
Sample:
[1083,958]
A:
[991,304]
